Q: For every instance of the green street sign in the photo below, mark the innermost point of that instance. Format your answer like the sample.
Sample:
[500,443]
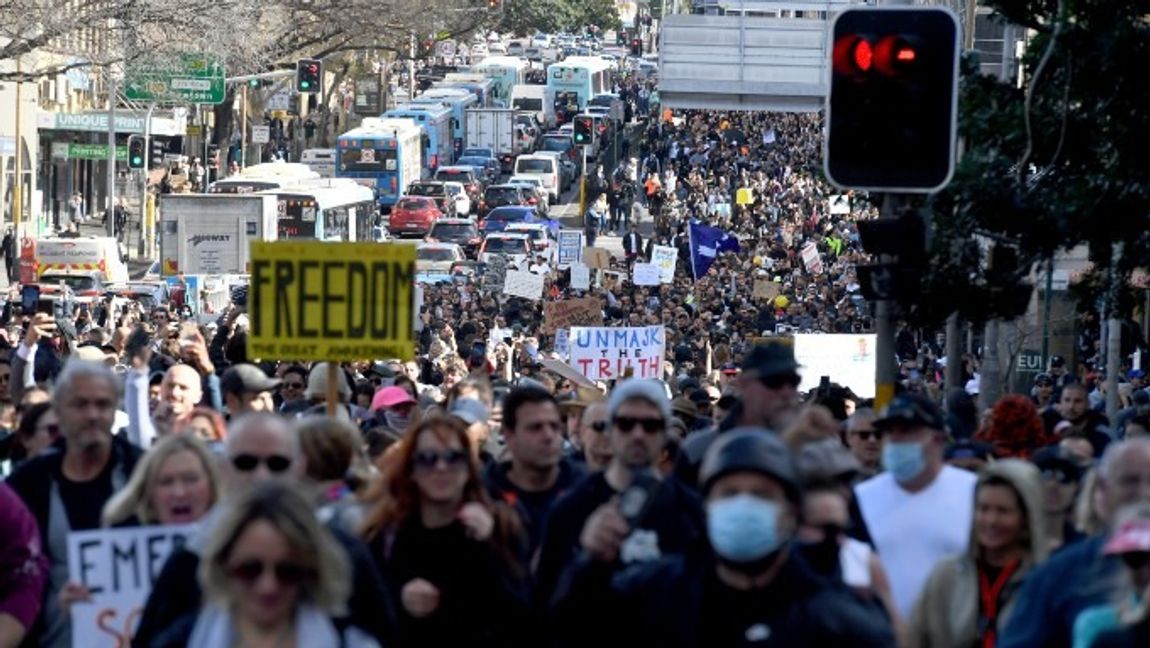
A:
[194,79]
[95,152]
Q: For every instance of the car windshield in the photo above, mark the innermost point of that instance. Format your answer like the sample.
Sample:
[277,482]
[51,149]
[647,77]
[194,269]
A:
[76,282]
[435,254]
[473,161]
[535,166]
[426,190]
[411,203]
[534,234]
[505,215]
[477,152]
[502,194]
[452,231]
[456,175]
[506,245]
[556,144]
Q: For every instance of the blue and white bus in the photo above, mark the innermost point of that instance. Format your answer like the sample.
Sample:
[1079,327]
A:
[478,84]
[334,210]
[573,82]
[435,120]
[383,154]
[459,100]
[505,72]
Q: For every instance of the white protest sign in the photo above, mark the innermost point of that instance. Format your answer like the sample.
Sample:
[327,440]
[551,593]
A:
[580,277]
[666,258]
[570,247]
[605,353]
[520,283]
[811,259]
[562,346]
[645,274]
[848,359]
[839,204]
[118,566]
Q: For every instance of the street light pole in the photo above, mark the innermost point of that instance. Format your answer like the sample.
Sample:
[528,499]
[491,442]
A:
[18,187]
[109,219]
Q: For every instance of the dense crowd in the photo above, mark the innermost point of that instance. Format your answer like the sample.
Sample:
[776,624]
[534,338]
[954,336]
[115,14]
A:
[477,495]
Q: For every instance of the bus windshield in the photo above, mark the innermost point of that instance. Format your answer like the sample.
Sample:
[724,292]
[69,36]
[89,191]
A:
[367,159]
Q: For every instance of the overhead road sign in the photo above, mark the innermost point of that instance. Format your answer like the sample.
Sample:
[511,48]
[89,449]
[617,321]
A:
[194,78]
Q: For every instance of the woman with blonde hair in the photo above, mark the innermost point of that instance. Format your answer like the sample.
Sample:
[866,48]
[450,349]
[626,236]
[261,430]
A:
[175,482]
[447,552]
[969,597]
[272,576]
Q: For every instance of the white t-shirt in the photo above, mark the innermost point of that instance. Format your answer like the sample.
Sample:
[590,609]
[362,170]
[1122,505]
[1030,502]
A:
[913,531]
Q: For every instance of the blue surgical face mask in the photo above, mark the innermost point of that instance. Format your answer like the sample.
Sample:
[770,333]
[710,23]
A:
[743,528]
[905,460]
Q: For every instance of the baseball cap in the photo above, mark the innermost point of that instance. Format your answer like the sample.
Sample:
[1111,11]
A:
[246,377]
[1132,536]
[750,449]
[729,368]
[911,410]
[470,411]
[1054,458]
[685,407]
[1043,379]
[390,397]
[771,359]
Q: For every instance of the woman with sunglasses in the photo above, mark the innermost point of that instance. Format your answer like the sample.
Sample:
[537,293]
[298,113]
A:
[968,598]
[272,576]
[446,551]
[37,431]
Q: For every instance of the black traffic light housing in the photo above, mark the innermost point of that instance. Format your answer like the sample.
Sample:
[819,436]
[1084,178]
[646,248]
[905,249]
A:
[902,245]
[309,76]
[137,152]
[584,133]
[636,46]
[893,100]
[156,150]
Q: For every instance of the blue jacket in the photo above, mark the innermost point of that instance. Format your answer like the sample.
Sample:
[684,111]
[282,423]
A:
[1053,595]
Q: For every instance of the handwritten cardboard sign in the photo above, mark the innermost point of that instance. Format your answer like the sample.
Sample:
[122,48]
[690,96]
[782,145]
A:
[520,283]
[666,258]
[118,566]
[765,289]
[606,353]
[570,246]
[597,258]
[571,312]
[580,276]
[645,274]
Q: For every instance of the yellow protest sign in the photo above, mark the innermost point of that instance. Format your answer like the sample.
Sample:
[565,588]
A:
[315,300]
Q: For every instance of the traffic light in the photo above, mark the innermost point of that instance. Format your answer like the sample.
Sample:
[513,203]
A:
[902,245]
[584,130]
[636,47]
[157,150]
[893,99]
[137,152]
[495,5]
[309,76]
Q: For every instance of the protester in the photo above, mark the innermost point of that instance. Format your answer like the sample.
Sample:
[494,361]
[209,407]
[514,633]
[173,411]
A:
[1128,618]
[23,569]
[865,442]
[175,482]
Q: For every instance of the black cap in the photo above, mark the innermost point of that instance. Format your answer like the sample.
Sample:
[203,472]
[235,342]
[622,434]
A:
[750,449]
[771,359]
[1057,361]
[1043,379]
[911,410]
[246,377]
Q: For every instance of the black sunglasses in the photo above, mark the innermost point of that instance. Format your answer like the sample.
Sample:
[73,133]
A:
[599,426]
[649,425]
[429,459]
[1058,474]
[286,573]
[778,382]
[867,435]
[248,463]
[293,385]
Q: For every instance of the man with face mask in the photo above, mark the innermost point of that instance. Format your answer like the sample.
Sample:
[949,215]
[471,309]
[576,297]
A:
[919,510]
[746,586]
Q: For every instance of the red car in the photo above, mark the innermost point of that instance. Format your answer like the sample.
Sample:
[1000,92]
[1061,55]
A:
[413,216]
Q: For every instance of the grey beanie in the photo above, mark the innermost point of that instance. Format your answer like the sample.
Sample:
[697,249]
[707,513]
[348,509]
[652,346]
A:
[649,390]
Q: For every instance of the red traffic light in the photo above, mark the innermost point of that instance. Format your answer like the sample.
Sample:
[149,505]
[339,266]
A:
[855,55]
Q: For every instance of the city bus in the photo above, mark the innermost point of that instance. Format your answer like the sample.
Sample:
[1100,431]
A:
[340,211]
[477,84]
[383,154]
[573,82]
[505,72]
[259,177]
[435,120]
[459,100]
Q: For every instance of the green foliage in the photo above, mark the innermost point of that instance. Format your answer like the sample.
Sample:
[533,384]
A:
[525,17]
[1079,176]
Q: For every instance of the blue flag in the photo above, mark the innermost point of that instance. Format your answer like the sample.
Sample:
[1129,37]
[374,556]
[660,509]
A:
[707,243]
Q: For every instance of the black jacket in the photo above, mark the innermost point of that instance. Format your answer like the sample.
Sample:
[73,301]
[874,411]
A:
[673,603]
[532,508]
[176,595]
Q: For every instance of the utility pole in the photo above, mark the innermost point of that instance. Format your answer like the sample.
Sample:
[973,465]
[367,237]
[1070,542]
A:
[1113,335]
[109,213]
[886,362]
[18,187]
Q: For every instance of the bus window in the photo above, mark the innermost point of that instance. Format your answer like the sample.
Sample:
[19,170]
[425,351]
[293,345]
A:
[367,159]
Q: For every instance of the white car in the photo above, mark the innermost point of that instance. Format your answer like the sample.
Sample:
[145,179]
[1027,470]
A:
[514,48]
[437,258]
[516,247]
[540,233]
[458,193]
[496,49]
[478,51]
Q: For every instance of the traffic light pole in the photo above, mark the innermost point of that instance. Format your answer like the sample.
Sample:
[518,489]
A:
[109,213]
[886,363]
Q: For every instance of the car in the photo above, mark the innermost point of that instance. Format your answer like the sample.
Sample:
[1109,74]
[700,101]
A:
[562,143]
[502,195]
[478,51]
[489,166]
[540,40]
[85,286]
[479,151]
[567,169]
[533,54]
[516,247]
[148,293]
[444,200]
[413,215]
[437,258]
[535,192]
[540,233]
[497,49]
[499,218]
[567,129]
[472,182]
[460,231]
[514,48]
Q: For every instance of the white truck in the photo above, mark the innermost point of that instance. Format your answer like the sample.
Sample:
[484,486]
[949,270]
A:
[495,128]
[210,234]
[79,256]
[538,99]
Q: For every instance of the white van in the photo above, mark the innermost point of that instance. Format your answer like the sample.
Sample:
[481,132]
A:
[322,161]
[544,167]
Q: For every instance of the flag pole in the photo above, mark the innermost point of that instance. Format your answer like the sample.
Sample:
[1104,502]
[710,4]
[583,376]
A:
[691,249]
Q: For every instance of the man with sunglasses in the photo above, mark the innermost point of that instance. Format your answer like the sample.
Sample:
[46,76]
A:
[767,386]
[627,513]
[260,447]
[865,442]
